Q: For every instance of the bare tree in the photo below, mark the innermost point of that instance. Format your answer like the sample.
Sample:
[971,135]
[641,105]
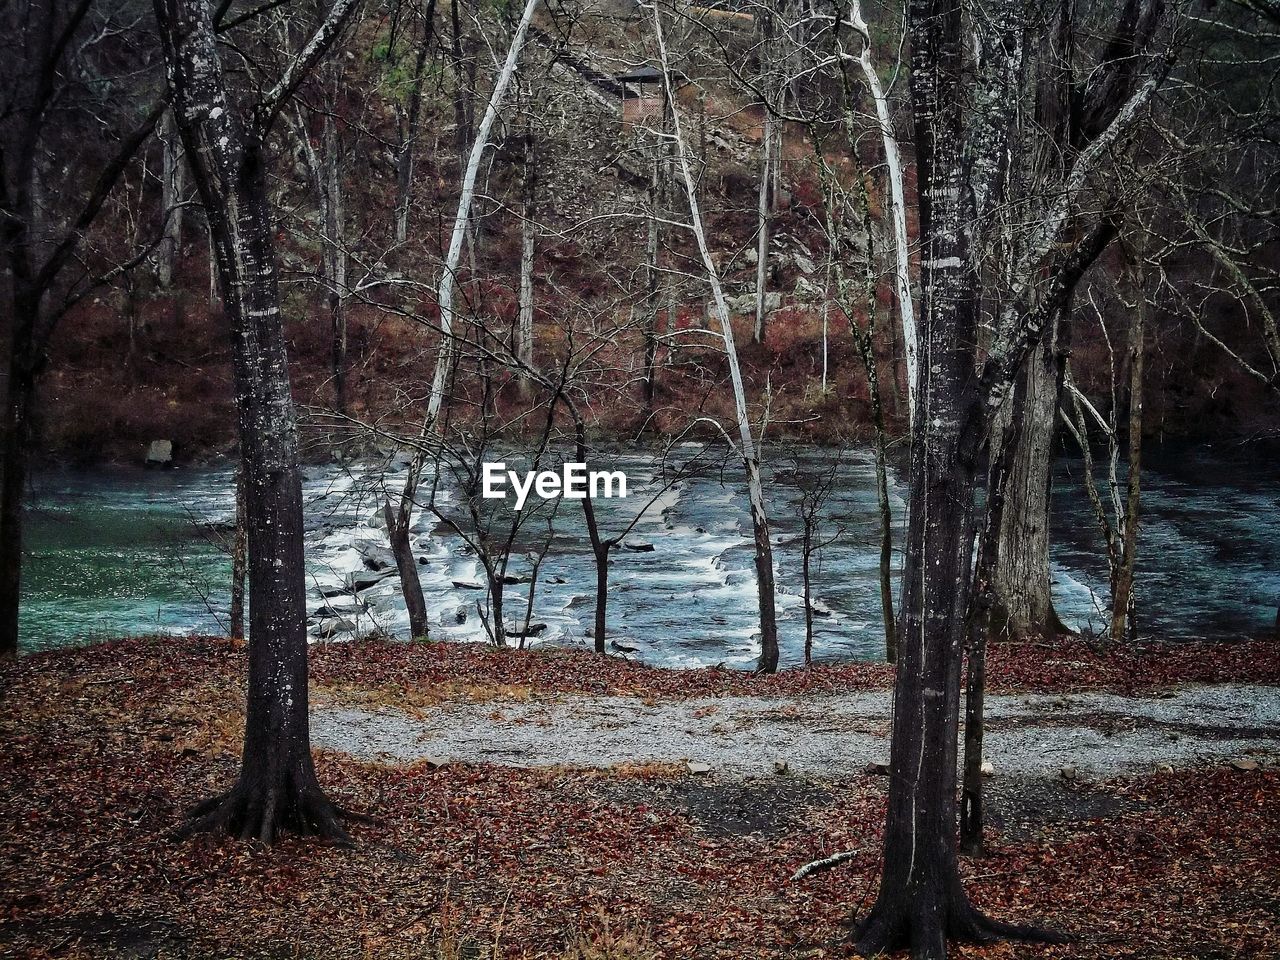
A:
[962,163]
[227,149]
[747,443]
[400,516]
[41,231]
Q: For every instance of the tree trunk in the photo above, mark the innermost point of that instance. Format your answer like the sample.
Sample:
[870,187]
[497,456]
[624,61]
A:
[398,523]
[239,560]
[806,554]
[409,127]
[601,555]
[886,529]
[652,275]
[16,438]
[921,900]
[1122,625]
[528,239]
[336,254]
[1020,576]
[764,216]
[600,546]
[1005,450]
[897,207]
[768,662]
[172,185]
[277,787]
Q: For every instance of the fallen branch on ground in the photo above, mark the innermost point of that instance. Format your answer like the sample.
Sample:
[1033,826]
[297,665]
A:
[826,863]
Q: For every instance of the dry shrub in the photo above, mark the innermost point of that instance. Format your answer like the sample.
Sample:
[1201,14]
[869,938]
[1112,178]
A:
[606,941]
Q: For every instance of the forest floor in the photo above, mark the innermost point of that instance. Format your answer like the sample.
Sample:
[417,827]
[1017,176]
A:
[102,750]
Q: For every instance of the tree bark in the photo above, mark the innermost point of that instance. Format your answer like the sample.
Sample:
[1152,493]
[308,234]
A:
[528,247]
[897,208]
[764,217]
[398,523]
[1020,578]
[239,561]
[277,786]
[1122,606]
[336,254]
[409,122]
[19,402]
[172,185]
[921,900]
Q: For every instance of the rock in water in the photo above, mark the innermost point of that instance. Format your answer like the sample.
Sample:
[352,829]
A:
[364,579]
[160,454]
[374,555]
[530,630]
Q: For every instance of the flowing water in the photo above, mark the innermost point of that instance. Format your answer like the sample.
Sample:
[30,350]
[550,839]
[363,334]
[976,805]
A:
[127,552]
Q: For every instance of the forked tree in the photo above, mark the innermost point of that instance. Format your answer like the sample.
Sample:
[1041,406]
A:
[225,134]
[963,111]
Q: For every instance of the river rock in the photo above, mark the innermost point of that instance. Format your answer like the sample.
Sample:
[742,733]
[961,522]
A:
[375,556]
[638,546]
[332,626]
[364,579]
[160,454]
[327,610]
[529,630]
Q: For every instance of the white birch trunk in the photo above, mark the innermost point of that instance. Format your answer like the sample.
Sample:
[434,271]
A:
[444,359]
[768,662]
[897,206]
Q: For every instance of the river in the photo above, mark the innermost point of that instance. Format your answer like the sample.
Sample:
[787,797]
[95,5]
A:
[122,551]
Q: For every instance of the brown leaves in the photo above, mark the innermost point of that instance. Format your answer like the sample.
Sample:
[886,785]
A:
[531,863]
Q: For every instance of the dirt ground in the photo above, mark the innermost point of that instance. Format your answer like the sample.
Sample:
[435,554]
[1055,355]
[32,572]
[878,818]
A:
[102,751]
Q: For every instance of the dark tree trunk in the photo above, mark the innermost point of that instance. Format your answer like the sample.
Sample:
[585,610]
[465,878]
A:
[277,787]
[13,483]
[921,901]
[1122,605]
[1004,456]
[239,561]
[601,554]
[398,522]
[806,555]
[768,662]
[600,546]
[497,590]
[409,126]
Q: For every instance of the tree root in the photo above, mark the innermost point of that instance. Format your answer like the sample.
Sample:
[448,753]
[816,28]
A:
[263,814]
[926,932]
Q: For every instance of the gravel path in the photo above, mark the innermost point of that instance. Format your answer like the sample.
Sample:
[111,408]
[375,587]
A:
[1099,734]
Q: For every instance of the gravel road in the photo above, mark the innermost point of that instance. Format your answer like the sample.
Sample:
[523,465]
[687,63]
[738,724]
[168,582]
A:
[1099,734]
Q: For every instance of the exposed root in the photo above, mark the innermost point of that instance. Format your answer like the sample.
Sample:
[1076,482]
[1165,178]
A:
[263,814]
[926,932]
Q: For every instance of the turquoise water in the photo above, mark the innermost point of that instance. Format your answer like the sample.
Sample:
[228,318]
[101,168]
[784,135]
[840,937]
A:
[121,552]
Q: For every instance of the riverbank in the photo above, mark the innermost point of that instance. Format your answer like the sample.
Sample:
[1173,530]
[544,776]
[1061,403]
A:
[103,748]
